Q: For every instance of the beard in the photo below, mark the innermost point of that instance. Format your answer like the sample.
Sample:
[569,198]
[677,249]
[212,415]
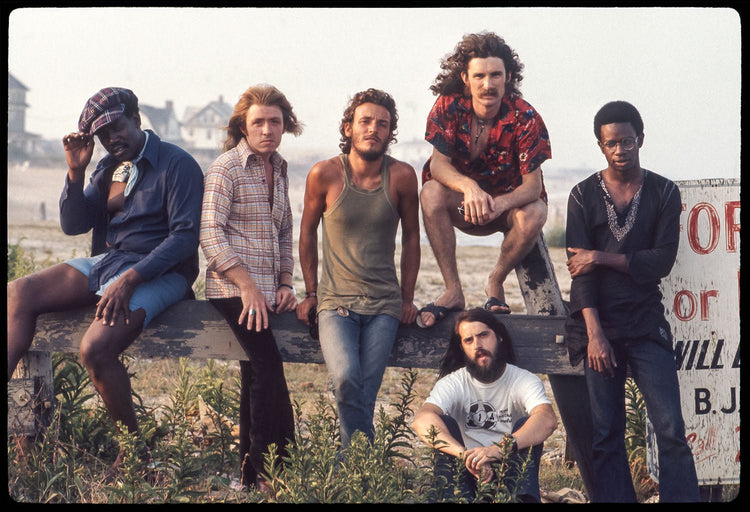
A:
[373,154]
[489,373]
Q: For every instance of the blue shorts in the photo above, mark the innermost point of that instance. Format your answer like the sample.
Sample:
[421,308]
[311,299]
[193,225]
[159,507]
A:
[153,296]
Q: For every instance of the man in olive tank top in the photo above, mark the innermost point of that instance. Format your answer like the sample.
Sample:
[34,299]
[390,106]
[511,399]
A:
[361,196]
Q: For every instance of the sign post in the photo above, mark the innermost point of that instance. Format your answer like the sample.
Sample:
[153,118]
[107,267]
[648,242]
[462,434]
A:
[702,302]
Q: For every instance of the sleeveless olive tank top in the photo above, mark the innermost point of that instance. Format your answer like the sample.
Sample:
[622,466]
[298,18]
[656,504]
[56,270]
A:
[359,242]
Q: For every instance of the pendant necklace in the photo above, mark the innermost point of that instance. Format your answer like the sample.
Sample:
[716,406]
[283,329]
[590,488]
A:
[481,123]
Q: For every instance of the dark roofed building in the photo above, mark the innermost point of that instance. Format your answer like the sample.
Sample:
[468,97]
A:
[163,122]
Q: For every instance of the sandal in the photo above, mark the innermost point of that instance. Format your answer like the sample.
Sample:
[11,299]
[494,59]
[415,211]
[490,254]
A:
[439,312]
[495,302]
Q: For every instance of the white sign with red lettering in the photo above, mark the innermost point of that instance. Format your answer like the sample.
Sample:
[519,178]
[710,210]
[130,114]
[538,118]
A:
[702,302]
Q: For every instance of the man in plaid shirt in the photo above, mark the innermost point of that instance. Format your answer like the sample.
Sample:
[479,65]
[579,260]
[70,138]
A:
[246,235]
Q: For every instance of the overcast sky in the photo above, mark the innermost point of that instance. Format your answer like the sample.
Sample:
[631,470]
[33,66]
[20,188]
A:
[679,66]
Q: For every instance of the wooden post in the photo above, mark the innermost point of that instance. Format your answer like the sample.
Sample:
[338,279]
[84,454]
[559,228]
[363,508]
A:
[542,296]
[31,395]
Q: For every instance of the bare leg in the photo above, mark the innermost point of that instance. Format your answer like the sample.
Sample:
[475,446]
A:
[56,288]
[101,347]
[525,224]
[440,214]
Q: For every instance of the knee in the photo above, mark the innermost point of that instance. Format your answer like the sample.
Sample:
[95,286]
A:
[19,296]
[432,197]
[530,220]
[347,387]
[92,355]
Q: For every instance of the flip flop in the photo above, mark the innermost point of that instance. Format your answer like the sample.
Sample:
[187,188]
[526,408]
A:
[495,302]
[439,312]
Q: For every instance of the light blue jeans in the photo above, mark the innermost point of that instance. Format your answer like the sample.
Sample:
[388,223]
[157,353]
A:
[356,349]
[153,296]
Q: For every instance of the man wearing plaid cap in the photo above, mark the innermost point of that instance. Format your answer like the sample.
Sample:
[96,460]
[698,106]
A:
[143,206]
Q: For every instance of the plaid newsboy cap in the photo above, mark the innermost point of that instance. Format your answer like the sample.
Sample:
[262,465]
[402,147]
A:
[104,107]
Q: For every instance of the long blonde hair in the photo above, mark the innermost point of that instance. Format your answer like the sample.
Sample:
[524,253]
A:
[262,94]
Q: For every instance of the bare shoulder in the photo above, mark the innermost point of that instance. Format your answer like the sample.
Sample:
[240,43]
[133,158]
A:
[326,171]
[402,173]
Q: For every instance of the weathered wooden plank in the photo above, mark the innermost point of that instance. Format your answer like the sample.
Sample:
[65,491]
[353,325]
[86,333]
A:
[196,329]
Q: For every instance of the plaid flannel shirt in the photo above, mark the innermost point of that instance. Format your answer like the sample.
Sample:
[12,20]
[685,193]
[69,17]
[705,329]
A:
[240,227]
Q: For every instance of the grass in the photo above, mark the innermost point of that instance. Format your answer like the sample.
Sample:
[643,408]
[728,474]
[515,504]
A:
[188,411]
[192,440]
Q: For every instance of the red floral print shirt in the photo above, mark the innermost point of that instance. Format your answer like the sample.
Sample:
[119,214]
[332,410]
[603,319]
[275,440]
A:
[518,142]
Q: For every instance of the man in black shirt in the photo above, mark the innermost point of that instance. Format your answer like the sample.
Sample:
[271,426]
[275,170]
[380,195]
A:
[622,236]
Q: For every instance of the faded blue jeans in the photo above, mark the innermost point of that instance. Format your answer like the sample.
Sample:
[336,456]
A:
[654,371]
[356,349]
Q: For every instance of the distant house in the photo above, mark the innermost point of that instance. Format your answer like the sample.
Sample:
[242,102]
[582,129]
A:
[20,142]
[163,122]
[204,128]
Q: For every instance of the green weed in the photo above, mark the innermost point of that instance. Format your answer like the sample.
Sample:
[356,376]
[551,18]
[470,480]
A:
[186,451]
[635,440]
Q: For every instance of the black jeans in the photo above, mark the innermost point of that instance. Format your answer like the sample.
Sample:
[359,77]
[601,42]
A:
[266,414]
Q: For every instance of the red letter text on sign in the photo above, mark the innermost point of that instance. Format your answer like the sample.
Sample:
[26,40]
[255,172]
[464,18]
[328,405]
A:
[733,225]
[713,228]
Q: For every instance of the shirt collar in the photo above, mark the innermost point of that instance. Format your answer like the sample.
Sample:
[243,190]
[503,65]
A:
[149,152]
[247,157]
[150,149]
[143,149]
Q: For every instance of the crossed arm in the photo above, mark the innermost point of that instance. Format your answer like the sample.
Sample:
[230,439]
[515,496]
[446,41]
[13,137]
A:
[538,427]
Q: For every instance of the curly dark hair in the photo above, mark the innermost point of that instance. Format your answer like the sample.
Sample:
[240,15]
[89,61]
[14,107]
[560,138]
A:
[455,358]
[377,97]
[618,112]
[266,95]
[481,45]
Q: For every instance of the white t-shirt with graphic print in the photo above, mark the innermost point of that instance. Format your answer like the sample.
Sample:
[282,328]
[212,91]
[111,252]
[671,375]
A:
[486,412]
